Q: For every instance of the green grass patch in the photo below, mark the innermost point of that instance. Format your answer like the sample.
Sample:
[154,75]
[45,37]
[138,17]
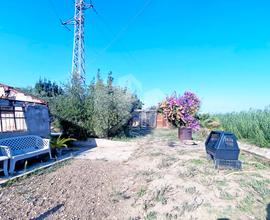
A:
[168,133]
[197,162]
[259,187]
[161,195]
[167,162]
[141,192]
[226,196]
[246,204]
[243,157]
[151,216]
[225,213]
[221,183]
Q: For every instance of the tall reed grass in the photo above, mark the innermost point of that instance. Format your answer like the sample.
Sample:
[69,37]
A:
[252,125]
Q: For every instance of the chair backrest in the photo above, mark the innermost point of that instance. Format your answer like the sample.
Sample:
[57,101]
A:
[22,144]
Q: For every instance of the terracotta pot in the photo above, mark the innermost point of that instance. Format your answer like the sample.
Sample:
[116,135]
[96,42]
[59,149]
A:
[184,133]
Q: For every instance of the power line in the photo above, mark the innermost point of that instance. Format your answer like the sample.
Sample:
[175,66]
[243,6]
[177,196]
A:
[54,9]
[78,60]
[122,30]
[125,28]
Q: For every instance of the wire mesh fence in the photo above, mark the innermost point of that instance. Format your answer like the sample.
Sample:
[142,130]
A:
[144,119]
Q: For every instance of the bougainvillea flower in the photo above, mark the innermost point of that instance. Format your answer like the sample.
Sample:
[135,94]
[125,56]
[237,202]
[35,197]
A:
[180,110]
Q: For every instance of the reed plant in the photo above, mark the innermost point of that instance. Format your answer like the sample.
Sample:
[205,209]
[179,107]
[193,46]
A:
[252,125]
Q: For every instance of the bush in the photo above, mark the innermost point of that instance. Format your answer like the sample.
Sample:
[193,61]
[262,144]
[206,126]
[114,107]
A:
[101,110]
[109,108]
[69,115]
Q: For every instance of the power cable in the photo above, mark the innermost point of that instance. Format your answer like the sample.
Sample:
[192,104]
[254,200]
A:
[123,30]
[116,36]
[54,9]
[52,5]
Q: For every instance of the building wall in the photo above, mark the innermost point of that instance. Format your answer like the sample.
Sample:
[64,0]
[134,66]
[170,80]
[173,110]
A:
[17,95]
[37,120]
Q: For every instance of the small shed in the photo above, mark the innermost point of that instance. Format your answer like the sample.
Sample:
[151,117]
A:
[144,118]
[22,114]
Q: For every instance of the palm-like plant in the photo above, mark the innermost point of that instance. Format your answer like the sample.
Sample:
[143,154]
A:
[60,142]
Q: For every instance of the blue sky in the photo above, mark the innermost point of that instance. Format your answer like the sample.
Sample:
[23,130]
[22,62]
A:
[216,48]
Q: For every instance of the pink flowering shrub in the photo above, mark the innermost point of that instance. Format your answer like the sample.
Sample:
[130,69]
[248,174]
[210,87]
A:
[180,110]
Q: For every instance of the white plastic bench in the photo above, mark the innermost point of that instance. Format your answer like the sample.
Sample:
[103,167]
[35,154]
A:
[24,147]
[4,160]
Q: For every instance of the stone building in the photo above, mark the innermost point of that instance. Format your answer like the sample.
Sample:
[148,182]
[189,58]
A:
[22,114]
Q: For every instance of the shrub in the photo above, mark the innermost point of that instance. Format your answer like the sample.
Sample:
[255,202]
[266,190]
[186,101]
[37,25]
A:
[99,110]
[68,110]
[109,108]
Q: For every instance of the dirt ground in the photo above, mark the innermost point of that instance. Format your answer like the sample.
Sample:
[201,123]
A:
[79,189]
[162,179]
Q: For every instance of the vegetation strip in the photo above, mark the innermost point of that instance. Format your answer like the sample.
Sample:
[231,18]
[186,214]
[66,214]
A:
[255,153]
[252,125]
[12,179]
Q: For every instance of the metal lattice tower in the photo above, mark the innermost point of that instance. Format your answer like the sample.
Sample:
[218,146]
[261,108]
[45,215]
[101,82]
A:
[78,57]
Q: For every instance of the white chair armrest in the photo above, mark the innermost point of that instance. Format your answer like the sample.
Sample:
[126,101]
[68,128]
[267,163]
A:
[46,142]
[5,151]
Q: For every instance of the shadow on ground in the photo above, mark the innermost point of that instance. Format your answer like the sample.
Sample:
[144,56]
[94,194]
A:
[140,131]
[268,212]
[48,212]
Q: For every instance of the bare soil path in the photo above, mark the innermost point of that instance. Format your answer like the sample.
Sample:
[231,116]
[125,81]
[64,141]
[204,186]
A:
[79,189]
[152,177]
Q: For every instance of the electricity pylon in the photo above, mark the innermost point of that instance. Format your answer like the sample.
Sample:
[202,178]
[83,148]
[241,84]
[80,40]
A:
[78,57]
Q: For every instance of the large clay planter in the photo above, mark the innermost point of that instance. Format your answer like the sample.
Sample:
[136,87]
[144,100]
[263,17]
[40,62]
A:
[184,134]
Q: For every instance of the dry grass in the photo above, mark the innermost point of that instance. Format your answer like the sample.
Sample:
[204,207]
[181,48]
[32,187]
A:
[164,179]
[185,185]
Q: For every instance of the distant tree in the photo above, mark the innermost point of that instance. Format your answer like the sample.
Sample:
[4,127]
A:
[46,89]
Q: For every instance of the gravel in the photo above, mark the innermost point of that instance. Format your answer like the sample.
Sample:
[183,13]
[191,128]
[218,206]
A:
[81,189]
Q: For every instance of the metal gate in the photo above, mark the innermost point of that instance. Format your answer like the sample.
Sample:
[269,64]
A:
[144,118]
